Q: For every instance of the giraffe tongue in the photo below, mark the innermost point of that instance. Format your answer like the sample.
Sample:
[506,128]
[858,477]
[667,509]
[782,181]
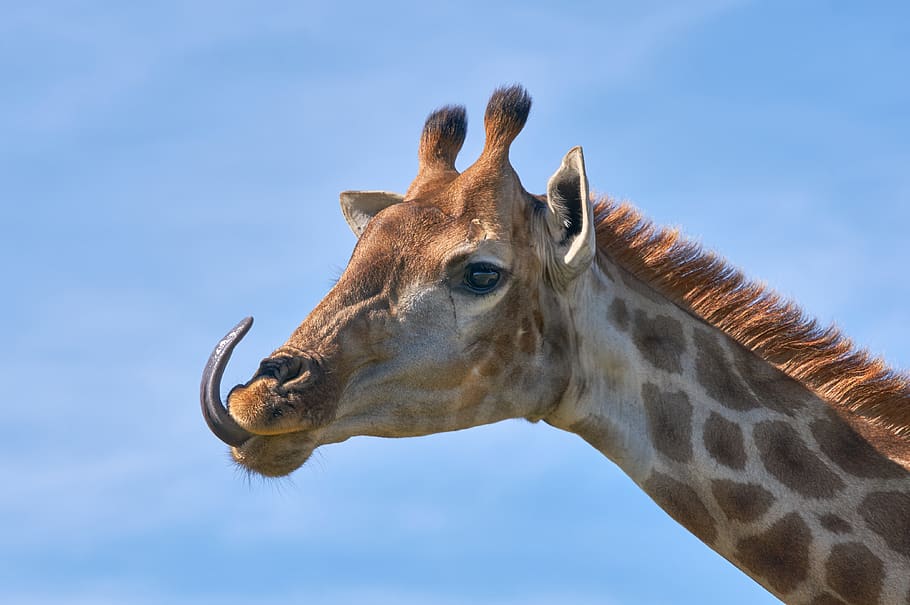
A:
[216,415]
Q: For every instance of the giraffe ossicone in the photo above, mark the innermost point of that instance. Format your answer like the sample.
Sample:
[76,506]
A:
[468,300]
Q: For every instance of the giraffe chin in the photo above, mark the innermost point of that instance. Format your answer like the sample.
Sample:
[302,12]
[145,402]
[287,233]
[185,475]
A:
[275,455]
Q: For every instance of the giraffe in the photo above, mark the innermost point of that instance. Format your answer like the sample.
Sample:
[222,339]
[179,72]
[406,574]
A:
[468,300]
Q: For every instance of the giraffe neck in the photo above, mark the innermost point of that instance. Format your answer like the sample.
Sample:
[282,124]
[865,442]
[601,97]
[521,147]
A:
[747,459]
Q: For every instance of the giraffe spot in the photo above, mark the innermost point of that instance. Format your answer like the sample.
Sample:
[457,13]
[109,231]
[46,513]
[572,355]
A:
[714,373]
[835,524]
[888,515]
[854,573]
[788,459]
[848,450]
[724,441]
[660,340]
[780,555]
[741,501]
[669,421]
[682,503]
[776,390]
[826,599]
[619,314]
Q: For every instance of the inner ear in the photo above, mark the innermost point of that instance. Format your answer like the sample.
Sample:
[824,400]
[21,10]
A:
[358,207]
[570,219]
[564,195]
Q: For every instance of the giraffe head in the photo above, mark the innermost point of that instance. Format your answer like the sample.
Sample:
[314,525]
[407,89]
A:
[451,312]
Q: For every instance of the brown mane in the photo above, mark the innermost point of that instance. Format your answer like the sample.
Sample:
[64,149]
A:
[821,358]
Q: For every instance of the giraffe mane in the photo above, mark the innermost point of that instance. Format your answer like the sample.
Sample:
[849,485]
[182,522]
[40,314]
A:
[775,328]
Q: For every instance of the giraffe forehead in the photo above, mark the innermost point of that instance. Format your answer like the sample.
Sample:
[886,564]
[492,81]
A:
[424,237]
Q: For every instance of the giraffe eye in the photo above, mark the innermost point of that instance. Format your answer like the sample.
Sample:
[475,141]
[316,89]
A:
[481,278]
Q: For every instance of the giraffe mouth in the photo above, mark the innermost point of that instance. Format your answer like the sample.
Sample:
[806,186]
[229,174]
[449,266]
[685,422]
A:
[271,454]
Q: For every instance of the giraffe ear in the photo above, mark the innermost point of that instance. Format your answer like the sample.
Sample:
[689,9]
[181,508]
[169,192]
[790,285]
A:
[570,219]
[358,207]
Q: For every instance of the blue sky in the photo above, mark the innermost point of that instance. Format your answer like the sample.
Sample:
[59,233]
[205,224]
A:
[167,168]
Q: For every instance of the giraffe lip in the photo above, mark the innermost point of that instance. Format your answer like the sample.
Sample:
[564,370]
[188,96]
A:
[264,408]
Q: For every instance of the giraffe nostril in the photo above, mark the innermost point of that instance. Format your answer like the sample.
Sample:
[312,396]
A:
[282,369]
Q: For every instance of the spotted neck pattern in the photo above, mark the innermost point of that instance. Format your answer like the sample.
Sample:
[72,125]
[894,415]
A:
[746,458]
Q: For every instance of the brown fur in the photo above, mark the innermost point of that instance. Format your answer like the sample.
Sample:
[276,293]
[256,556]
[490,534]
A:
[744,502]
[791,462]
[669,421]
[821,358]
[724,441]
[780,555]
[855,573]
[888,515]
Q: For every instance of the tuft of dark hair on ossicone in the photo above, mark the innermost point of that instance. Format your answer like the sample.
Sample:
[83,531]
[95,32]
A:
[443,135]
[506,115]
